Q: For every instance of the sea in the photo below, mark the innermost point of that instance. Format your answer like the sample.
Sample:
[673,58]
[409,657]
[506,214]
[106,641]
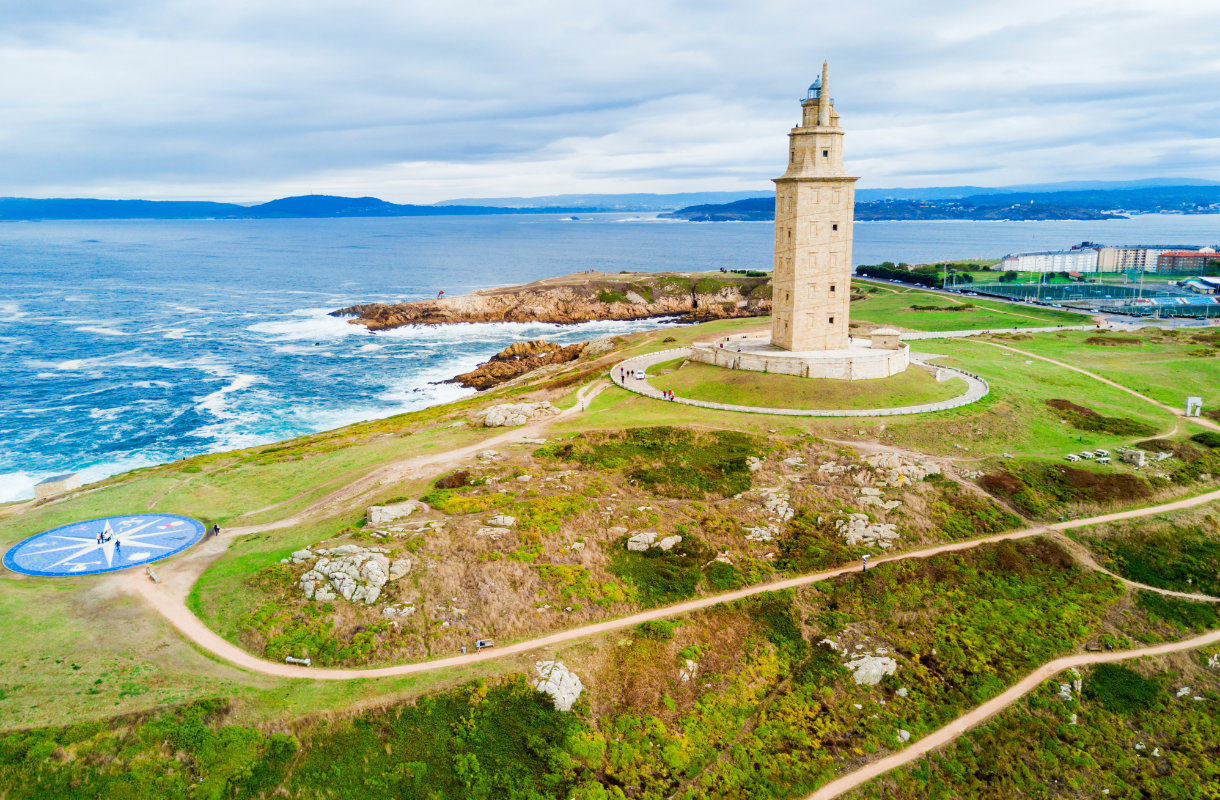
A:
[125,344]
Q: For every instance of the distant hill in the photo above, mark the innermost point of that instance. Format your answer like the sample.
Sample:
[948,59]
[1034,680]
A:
[607,202]
[304,207]
[1073,200]
[671,202]
[1064,204]
[761,209]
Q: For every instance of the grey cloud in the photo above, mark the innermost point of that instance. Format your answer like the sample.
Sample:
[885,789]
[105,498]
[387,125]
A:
[245,98]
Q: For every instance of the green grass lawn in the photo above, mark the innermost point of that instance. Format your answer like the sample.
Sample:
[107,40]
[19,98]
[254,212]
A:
[1166,366]
[891,305]
[281,478]
[739,387]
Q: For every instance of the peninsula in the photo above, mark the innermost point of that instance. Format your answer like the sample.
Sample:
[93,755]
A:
[585,297]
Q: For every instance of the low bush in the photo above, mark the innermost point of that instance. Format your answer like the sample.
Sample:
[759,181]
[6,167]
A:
[660,576]
[1042,490]
[447,501]
[1086,419]
[1120,689]
[1207,439]
[454,480]
[1182,614]
[673,462]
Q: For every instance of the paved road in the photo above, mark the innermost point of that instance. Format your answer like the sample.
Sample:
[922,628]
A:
[976,389]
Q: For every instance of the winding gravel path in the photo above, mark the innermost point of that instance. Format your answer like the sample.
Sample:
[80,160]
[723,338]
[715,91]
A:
[169,599]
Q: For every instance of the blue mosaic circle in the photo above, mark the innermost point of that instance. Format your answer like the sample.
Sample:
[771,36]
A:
[105,544]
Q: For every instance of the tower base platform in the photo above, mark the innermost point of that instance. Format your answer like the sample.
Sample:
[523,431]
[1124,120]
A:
[860,361]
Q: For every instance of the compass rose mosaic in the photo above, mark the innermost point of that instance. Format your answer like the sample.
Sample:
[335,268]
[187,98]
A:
[103,545]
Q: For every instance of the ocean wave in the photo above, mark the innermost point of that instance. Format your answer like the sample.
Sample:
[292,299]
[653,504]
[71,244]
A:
[11,312]
[217,402]
[101,330]
[308,323]
[18,486]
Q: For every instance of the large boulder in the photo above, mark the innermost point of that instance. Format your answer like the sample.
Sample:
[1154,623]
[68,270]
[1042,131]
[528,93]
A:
[384,515]
[510,415]
[641,541]
[352,572]
[559,682]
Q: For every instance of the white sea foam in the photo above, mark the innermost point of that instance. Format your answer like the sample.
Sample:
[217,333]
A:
[16,486]
[217,402]
[11,312]
[308,323]
[101,330]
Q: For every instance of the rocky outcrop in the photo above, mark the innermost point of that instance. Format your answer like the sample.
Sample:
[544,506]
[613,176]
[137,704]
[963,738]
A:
[559,682]
[868,670]
[508,415]
[580,298]
[384,515]
[349,571]
[517,359]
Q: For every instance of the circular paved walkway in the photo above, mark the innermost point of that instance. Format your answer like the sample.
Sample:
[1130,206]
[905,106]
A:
[977,388]
[101,545]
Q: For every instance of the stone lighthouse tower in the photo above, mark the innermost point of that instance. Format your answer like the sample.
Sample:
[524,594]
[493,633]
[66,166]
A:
[814,208]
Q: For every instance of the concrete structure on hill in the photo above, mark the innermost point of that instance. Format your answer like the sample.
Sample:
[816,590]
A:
[56,484]
[811,283]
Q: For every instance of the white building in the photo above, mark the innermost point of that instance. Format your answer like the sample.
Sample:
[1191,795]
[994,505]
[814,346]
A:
[1084,259]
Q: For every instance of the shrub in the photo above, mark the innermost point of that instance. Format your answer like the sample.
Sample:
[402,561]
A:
[1086,419]
[448,502]
[659,576]
[454,480]
[1119,689]
[1182,614]
[674,462]
[1207,439]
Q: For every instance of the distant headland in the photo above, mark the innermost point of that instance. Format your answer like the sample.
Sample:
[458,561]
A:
[1074,204]
[1074,200]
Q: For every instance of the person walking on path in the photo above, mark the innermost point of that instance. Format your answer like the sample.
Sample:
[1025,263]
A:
[215,529]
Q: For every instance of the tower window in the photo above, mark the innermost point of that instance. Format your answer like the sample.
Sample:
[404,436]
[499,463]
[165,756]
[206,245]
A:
[832,320]
[834,227]
[825,153]
[832,287]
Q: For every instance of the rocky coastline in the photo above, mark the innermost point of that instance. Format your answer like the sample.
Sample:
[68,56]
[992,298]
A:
[517,359]
[584,297]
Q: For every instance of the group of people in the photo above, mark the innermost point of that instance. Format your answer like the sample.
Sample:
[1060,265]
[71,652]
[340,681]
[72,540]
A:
[667,394]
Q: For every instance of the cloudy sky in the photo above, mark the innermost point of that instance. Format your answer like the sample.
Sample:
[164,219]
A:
[423,100]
